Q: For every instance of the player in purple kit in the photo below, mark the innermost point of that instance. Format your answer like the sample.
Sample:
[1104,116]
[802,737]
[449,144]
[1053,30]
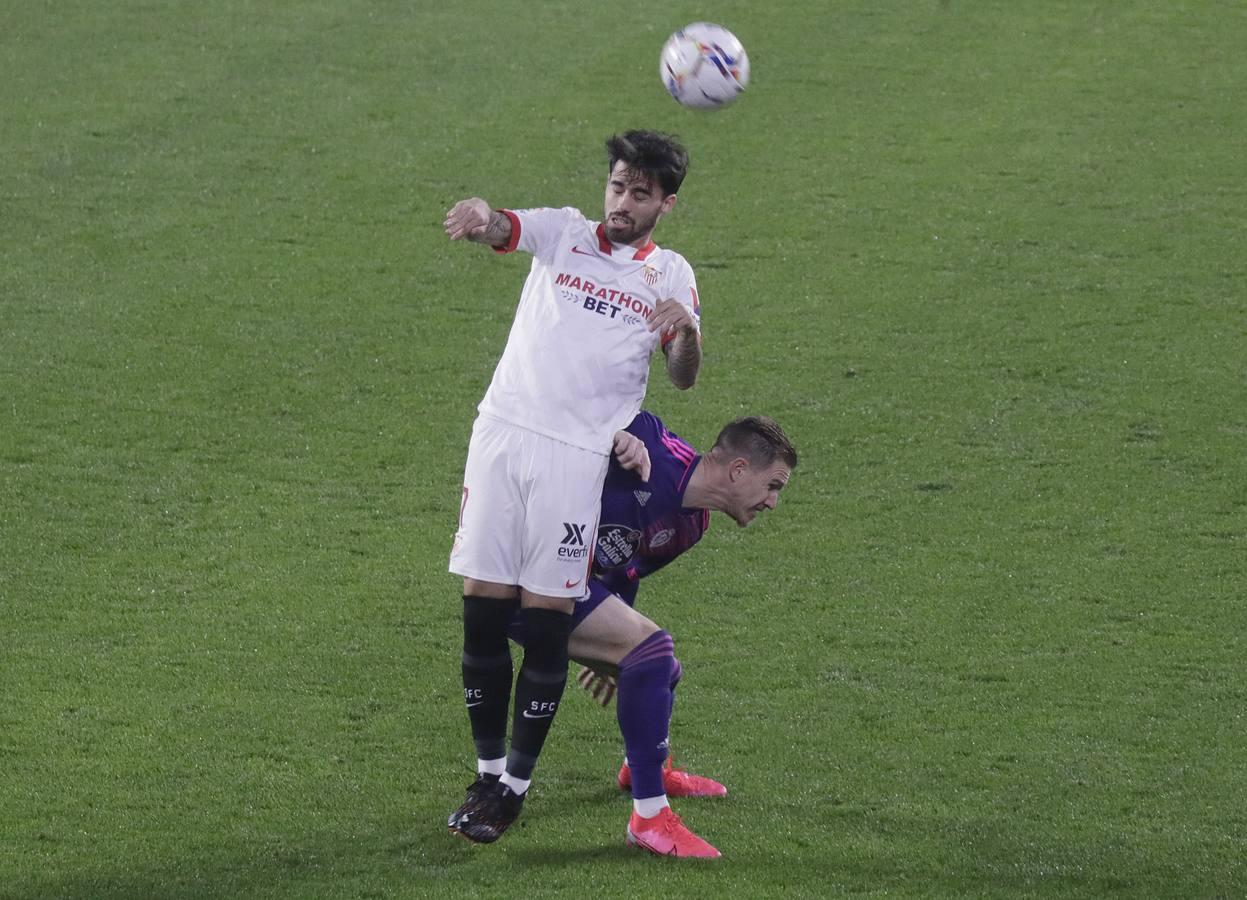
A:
[645,524]
[599,299]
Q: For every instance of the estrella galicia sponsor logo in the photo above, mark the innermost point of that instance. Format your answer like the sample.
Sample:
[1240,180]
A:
[573,544]
[616,546]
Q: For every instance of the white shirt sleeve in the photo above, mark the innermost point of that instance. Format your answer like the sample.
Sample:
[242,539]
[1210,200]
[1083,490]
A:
[541,229]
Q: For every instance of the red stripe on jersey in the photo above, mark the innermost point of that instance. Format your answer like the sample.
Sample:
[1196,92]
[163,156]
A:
[515,233]
[645,251]
[678,448]
[604,243]
[605,246]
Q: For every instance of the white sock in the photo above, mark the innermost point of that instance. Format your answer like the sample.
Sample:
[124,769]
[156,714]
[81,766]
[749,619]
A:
[650,806]
[519,785]
[491,766]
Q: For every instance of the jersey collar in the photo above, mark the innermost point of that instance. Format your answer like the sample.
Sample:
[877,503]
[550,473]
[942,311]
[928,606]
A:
[606,247]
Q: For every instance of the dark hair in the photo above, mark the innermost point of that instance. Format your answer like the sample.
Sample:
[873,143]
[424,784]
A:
[658,155]
[758,439]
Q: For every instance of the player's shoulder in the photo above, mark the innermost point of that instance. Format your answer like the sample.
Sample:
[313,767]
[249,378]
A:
[651,429]
[564,217]
[548,231]
[671,259]
[646,425]
[569,212]
[573,218]
[677,272]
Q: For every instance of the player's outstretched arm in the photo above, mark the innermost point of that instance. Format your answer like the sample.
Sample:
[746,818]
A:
[476,220]
[670,317]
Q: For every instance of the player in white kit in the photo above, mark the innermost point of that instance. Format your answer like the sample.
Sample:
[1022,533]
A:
[600,298]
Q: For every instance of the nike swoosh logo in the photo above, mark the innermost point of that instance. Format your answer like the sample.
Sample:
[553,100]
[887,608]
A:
[528,715]
[582,252]
[571,584]
[477,703]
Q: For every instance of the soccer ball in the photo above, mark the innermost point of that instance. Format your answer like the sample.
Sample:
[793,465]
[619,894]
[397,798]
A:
[704,66]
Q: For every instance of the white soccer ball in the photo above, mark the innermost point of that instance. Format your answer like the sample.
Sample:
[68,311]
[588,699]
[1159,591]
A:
[704,66]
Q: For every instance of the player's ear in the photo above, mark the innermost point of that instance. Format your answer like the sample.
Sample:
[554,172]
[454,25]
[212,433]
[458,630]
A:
[668,203]
[737,468]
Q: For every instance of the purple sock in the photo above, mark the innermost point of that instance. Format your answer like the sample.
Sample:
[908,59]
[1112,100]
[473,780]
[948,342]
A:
[643,707]
[676,674]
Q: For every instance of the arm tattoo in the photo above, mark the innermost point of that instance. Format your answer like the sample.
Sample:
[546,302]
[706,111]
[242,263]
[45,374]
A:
[497,232]
[684,360]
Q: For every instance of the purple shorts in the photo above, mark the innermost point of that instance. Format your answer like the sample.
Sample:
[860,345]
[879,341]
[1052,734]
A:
[597,593]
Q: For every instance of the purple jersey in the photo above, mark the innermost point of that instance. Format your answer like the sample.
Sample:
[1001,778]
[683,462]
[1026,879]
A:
[644,524]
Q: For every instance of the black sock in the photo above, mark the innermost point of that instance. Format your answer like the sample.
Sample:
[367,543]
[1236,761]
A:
[539,687]
[487,671]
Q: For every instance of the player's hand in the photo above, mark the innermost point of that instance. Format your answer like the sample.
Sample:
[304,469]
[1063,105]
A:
[671,317]
[632,454]
[467,218]
[601,687]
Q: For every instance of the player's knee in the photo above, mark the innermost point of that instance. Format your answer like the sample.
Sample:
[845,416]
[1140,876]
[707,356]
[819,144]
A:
[646,628]
[485,622]
[642,632]
[545,640]
[657,649]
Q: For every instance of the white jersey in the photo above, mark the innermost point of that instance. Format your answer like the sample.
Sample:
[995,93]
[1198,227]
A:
[577,359]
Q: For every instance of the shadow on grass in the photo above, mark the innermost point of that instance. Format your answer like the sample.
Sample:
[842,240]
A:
[431,863]
[364,865]
[617,853]
[410,862]
[571,843]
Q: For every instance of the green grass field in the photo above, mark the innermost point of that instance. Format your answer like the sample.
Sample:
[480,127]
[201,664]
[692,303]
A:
[983,260]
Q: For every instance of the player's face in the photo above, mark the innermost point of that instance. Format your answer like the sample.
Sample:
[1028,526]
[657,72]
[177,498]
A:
[755,488]
[634,204]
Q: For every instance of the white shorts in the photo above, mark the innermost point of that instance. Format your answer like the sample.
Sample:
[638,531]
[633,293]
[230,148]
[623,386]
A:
[529,511]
